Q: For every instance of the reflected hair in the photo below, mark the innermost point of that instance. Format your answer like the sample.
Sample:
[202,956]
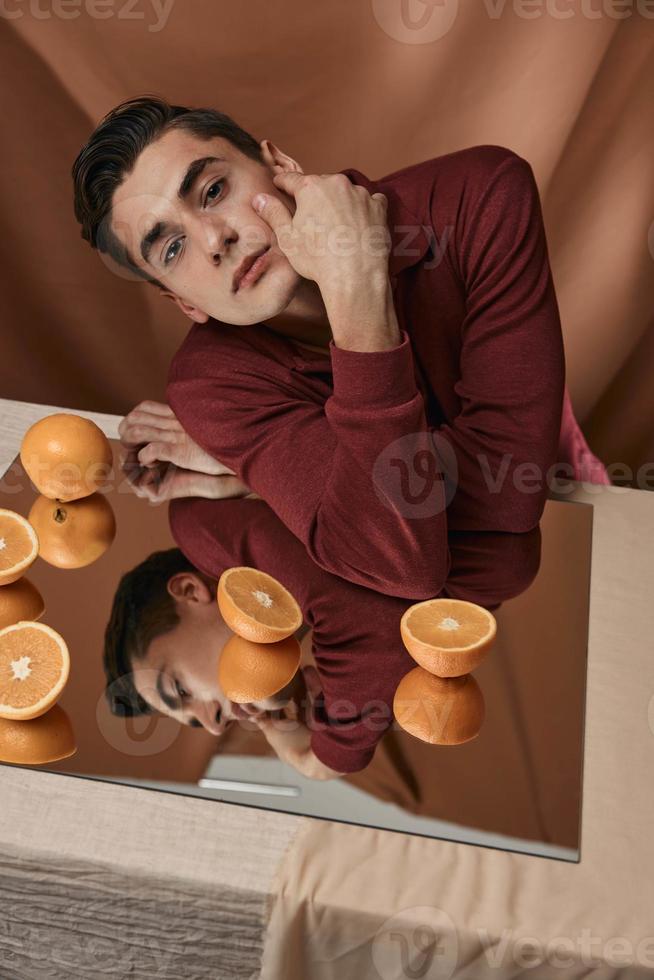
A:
[142,609]
[112,150]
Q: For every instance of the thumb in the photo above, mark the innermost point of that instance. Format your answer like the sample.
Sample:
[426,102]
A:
[272,210]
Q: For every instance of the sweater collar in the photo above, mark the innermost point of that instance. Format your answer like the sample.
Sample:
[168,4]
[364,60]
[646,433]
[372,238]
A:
[409,241]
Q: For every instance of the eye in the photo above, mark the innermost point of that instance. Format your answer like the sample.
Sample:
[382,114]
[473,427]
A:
[169,256]
[182,693]
[209,197]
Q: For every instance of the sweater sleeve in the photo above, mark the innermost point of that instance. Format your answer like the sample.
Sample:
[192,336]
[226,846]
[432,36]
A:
[355,478]
[506,436]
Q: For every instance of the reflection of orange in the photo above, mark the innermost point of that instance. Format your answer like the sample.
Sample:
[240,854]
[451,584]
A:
[440,710]
[448,637]
[19,545]
[66,456]
[39,741]
[20,600]
[251,671]
[75,533]
[256,606]
[34,667]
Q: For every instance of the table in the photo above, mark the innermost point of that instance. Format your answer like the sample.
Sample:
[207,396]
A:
[102,879]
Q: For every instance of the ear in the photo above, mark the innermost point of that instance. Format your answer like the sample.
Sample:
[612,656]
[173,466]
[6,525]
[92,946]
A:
[198,316]
[276,160]
[191,587]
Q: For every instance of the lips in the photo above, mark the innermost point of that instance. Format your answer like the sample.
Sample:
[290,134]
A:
[245,267]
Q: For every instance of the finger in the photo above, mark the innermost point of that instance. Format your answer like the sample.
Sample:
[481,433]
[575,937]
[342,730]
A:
[273,211]
[138,429]
[289,181]
[312,681]
[156,408]
[155,452]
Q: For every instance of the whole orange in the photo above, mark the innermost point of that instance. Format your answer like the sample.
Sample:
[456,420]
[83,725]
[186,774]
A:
[66,456]
[75,533]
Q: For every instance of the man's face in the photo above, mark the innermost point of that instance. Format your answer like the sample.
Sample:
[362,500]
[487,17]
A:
[179,674]
[207,232]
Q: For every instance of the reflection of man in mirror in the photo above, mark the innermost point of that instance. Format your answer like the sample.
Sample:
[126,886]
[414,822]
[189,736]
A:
[344,317]
[165,632]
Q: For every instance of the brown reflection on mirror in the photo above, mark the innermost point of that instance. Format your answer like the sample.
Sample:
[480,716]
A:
[521,776]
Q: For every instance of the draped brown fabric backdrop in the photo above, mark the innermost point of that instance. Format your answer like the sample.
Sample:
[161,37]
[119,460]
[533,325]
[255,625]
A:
[569,86]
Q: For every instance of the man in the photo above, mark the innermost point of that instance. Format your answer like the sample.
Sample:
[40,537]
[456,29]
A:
[165,633]
[380,361]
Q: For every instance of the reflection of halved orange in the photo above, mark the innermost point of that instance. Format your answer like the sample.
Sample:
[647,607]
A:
[439,710]
[251,671]
[448,637]
[75,533]
[20,600]
[19,545]
[256,606]
[39,741]
[66,456]
[34,667]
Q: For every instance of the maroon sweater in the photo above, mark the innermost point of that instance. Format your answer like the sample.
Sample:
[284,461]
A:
[369,458]
[356,639]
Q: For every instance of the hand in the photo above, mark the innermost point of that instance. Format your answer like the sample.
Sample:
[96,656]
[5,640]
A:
[162,462]
[291,738]
[151,433]
[334,236]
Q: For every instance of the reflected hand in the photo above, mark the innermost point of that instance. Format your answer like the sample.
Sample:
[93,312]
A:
[291,738]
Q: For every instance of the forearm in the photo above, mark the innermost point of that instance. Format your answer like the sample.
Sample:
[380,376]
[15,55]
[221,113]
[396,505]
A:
[362,316]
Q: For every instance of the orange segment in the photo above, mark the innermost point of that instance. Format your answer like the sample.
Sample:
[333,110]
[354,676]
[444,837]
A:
[39,741]
[256,606]
[250,671]
[448,637]
[439,710]
[19,545]
[20,600]
[74,533]
[66,456]
[34,668]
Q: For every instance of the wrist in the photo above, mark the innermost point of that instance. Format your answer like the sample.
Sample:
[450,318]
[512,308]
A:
[363,318]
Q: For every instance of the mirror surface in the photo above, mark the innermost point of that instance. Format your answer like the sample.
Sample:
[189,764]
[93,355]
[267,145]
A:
[517,786]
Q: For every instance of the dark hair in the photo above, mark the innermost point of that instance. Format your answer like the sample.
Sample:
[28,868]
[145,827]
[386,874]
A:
[142,609]
[113,149]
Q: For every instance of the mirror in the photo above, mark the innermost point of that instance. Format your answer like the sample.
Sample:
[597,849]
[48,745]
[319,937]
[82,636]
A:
[516,786]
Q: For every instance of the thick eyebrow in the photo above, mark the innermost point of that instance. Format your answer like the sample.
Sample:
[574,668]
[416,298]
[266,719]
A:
[162,228]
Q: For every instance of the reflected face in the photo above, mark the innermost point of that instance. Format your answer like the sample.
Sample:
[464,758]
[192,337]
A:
[179,674]
[185,215]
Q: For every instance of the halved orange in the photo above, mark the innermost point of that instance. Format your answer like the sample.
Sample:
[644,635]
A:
[256,606]
[34,668]
[19,545]
[250,671]
[66,456]
[448,637]
[439,710]
[74,533]
[37,742]
[20,600]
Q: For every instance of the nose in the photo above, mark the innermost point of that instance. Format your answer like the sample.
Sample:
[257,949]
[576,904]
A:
[210,715]
[215,240]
